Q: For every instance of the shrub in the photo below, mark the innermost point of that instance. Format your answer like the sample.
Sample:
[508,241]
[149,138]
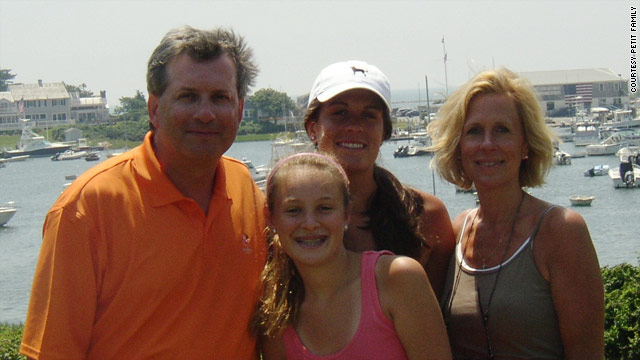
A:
[10,339]
[622,311]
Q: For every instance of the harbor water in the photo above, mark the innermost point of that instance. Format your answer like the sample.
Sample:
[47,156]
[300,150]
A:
[36,183]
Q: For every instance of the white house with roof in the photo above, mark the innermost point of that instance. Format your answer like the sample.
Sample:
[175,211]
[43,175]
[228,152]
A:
[48,104]
[89,109]
[583,89]
[8,111]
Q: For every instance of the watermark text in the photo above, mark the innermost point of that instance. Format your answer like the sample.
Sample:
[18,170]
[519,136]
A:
[633,58]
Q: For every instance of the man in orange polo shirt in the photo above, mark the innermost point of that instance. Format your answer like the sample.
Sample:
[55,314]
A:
[157,253]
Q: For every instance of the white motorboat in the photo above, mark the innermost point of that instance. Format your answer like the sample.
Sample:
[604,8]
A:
[422,137]
[259,173]
[561,158]
[627,175]
[586,134]
[112,154]
[69,155]
[580,200]
[34,145]
[6,213]
[624,153]
[623,119]
[607,147]
[411,150]
[283,146]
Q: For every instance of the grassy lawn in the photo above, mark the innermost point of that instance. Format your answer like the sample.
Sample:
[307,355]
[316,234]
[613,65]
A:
[8,141]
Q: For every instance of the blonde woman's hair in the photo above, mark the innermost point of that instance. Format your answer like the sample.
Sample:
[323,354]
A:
[445,131]
[282,286]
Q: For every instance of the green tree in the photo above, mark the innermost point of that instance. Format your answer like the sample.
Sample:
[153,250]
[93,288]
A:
[271,103]
[5,79]
[132,108]
[80,89]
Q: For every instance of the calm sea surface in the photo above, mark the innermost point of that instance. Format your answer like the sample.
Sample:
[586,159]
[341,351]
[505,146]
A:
[36,183]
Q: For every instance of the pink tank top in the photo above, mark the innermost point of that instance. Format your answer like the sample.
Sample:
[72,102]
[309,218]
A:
[375,337]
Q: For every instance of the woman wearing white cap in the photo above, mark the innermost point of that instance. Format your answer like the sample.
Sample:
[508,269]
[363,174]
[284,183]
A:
[349,117]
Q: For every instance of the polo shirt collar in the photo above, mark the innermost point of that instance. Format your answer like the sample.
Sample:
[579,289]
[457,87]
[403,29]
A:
[158,185]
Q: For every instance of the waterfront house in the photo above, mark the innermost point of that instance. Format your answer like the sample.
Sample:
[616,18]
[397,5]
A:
[49,104]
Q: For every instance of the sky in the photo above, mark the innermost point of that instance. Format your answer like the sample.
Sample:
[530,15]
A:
[106,44]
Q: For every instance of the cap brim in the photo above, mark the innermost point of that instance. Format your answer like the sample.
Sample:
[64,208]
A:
[336,90]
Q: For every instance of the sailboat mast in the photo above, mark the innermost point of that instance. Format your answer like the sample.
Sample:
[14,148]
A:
[433,177]
[446,82]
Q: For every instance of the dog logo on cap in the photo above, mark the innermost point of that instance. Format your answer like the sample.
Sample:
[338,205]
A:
[356,70]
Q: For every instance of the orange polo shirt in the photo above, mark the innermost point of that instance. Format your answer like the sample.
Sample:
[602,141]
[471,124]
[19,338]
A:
[130,268]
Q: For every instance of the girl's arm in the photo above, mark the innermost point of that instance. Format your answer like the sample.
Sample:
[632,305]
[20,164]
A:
[407,299]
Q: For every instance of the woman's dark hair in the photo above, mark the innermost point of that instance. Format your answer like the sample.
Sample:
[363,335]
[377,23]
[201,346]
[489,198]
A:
[394,212]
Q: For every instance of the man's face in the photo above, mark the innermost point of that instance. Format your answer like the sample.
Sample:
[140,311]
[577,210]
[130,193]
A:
[198,115]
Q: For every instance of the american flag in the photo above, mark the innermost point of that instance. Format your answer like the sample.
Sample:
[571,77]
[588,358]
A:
[21,106]
[579,93]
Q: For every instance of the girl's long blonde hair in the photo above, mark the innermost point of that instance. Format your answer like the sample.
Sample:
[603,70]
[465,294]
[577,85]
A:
[282,286]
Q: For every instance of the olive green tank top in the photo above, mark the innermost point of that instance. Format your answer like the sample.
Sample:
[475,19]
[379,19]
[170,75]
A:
[521,322]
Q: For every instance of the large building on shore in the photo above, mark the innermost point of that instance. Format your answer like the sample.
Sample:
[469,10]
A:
[562,91]
[49,104]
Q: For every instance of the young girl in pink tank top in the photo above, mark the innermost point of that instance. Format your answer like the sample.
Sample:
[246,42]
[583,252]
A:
[321,301]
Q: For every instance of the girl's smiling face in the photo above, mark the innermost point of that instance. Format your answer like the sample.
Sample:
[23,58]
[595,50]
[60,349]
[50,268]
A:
[309,215]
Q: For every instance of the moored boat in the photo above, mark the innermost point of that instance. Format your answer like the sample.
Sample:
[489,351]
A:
[411,150]
[597,170]
[6,213]
[69,155]
[259,174]
[561,158]
[14,159]
[580,200]
[586,133]
[608,146]
[93,156]
[627,175]
[34,145]
[627,151]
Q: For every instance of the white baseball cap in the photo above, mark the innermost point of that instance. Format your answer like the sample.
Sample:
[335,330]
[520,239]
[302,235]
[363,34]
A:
[353,74]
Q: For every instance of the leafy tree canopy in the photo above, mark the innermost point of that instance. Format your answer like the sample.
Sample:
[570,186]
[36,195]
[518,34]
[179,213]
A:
[271,103]
[132,108]
[81,89]
[5,79]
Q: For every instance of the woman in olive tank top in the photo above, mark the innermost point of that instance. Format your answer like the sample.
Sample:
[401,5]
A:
[525,280]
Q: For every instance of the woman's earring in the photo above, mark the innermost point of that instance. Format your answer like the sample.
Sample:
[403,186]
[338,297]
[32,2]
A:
[313,138]
[346,226]
[525,157]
